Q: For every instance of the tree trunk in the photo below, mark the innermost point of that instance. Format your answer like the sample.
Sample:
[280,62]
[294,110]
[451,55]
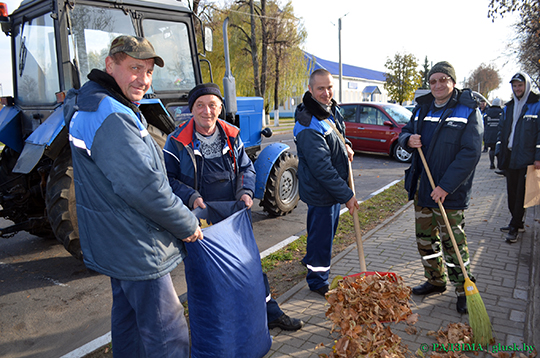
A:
[264,35]
[254,54]
[276,83]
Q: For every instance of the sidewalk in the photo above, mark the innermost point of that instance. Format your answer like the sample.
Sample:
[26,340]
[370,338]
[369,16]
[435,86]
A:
[506,274]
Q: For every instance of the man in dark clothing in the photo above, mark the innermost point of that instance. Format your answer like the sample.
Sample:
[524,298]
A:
[206,161]
[448,127]
[483,106]
[491,124]
[518,146]
[132,226]
[323,172]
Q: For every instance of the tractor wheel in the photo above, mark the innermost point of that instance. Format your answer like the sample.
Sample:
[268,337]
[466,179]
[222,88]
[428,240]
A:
[400,154]
[60,201]
[281,194]
[28,202]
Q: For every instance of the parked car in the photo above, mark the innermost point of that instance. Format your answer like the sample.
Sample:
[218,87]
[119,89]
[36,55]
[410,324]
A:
[410,107]
[375,127]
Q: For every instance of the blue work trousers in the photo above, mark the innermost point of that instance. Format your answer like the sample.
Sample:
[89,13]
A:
[322,223]
[273,311]
[148,320]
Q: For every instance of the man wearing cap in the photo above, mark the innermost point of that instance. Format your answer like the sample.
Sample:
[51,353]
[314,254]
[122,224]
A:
[131,225]
[448,127]
[518,146]
[206,161]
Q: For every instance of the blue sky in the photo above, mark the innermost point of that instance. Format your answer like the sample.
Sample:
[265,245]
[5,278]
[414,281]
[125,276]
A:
[373,31]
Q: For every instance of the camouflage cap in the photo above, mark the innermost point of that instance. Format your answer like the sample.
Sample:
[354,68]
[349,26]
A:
[136,47]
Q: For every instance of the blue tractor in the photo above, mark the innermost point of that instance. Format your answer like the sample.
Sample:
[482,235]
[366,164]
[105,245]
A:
[55,44]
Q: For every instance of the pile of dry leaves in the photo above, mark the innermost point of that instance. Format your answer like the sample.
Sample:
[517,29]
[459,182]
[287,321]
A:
[358,308]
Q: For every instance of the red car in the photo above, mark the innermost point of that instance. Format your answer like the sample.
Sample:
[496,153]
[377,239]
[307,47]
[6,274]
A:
[375,127]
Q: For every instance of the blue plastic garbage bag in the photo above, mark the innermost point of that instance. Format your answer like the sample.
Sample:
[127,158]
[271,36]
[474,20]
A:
[226,293]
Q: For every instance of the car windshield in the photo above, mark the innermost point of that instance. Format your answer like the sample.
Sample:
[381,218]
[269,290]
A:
[398,113]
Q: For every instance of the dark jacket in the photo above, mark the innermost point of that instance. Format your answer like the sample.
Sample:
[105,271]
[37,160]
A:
[491,124]
[323,167]
[130,222]
[526,146]
[454,151]
[233,174]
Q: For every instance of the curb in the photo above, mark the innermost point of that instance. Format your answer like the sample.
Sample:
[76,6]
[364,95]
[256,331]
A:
[533,314]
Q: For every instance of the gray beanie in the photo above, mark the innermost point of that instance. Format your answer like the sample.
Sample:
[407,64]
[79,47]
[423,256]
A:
[443,67]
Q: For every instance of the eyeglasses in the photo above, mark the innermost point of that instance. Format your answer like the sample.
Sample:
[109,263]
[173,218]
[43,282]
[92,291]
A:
[441,80]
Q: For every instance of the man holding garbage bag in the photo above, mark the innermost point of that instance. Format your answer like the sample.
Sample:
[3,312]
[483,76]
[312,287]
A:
[206,161]
[132,227]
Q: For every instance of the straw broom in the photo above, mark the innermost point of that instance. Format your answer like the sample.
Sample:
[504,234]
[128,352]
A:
[478,317]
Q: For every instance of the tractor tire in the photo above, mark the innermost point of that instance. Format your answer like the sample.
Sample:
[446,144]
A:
[32,206]
[60,202]
[281,194]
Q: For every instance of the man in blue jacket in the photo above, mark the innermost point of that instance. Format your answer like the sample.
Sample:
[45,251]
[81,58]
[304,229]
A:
[518,146]
[448,127]
[131,224]
[323,172]
[206,160]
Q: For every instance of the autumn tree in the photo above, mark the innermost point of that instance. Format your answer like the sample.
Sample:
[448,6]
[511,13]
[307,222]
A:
[484,79]
[527,32]
[402,77]
[284,39]
[278,63]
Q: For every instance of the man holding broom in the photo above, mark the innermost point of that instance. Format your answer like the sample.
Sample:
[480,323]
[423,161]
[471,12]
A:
[448,127]
[323,170]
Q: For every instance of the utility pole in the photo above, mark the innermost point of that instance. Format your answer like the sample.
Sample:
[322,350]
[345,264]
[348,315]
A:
[340,64]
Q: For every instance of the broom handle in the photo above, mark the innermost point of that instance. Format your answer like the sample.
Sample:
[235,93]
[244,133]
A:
[357,231]
[443,212]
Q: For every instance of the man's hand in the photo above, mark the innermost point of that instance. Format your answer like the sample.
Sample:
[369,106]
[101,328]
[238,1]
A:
[199,203]
[537,164]
[350,152]
[352,204]
[198,235]
[438,194]
[247,199]
[414,141]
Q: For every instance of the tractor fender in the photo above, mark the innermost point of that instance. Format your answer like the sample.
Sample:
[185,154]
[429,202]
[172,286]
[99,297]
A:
[40,140]
[10,128]
[263,165]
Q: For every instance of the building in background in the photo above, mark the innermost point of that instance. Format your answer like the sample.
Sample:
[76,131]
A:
[359,84]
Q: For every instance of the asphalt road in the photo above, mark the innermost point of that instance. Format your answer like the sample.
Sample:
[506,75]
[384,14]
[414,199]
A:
[50,304]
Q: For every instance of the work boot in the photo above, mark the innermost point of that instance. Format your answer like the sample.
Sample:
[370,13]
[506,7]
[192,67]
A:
[508,228]
[286,323]
[461,305]
[426,288]
[321,290]
[512,236]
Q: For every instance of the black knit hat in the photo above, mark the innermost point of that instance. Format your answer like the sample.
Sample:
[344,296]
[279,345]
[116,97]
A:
[201,90]
[443,67]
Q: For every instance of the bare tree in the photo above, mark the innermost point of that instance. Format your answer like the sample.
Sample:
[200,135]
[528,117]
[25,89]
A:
[527,31]
[484,79]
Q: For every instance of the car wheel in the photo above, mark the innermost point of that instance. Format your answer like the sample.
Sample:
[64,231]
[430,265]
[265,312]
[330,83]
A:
[401,155]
